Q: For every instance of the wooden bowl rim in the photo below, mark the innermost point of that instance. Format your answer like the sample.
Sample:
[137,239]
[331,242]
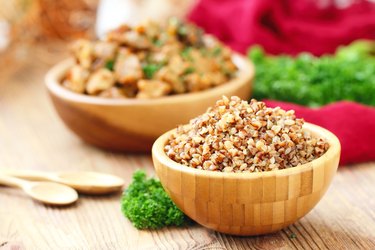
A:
[55,74]
[334,149]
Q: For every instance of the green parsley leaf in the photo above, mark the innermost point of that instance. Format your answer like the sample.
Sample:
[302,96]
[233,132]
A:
[185,53]
[189,70]
[349,74]
[216,51]
[150,69]
[148,206]
[109,64]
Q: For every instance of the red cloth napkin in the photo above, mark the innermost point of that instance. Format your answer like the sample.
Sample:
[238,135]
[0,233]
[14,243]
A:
[352,123]
[290,26]
[286,26]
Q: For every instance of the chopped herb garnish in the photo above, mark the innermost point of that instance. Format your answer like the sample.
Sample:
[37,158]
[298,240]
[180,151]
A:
[216,51]
[293,236]
[189,70]
[157,42]
[182,30]
[204,51]
[185,53]
[109,64]
[150,69]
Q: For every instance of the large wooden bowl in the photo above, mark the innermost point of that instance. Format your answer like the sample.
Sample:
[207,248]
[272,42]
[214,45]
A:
[248,203]
[134,124]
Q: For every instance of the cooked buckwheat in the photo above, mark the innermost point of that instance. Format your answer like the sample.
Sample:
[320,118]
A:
[237,136]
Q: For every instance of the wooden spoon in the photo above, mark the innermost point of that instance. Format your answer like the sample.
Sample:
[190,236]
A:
[82,181]
[45,192]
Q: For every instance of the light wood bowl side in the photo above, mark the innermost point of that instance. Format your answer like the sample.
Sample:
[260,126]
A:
[134,124]
[248,203]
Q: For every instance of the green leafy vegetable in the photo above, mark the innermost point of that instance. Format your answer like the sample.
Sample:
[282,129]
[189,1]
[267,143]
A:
[147,205]
[150,69]
[109,64]
[189,70]
[182,30]
[349,74]
[216,51]
[185,53]
[157,42]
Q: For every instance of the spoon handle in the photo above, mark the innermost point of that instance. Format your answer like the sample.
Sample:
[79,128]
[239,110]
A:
[32,175]
[12,181]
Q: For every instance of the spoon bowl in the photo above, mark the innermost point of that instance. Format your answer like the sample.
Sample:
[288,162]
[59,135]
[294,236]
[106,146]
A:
[86,182]
[91,182]
[46,192]
[52,193]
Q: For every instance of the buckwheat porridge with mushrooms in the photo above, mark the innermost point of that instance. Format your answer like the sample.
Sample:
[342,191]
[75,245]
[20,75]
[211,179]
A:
[237,136]
[149,61]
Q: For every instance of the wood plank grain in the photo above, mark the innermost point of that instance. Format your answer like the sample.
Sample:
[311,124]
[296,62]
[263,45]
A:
[33,137]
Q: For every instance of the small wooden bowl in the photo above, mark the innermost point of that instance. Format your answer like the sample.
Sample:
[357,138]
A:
[134,124]
[248,203]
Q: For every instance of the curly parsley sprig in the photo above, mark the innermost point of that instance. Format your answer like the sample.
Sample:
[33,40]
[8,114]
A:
[349,74]
[148,206]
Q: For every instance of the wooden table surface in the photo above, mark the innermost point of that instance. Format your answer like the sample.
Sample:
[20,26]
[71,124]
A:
[33,137]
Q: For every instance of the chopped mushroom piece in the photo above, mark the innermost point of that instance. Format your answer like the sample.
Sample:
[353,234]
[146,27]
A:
[150,28]
[116,34]
[136,40]
[165,75]
[215,78]
[131,38]
[105,50]
[195,82]
[152,89]
[83,51]
[76,79]
[173,57]
[113,92]
[100,80]
[128,68]
[177,65]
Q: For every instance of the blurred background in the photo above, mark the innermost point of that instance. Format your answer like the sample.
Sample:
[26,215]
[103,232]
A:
[32,23]
[44,27]
[40,28]
[312,69]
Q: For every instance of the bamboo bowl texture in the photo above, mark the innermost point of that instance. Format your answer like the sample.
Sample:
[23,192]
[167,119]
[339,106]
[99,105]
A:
[248,203]
[134,124]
